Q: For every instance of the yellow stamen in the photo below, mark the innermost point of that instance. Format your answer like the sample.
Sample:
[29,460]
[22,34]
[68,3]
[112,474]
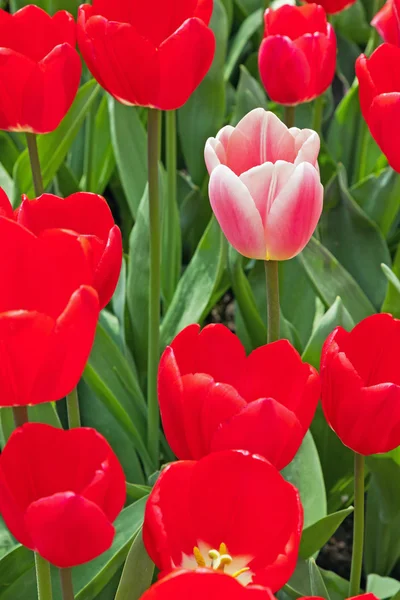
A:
[223,549]
[199,557]
[240,572]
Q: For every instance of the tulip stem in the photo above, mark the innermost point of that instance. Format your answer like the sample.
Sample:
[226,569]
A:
[289,115]
[20,414]
[153,422]
[43,578]
[172,239]
[31,139]
[272,279]
[358,530]
[74,415]
[318,113]
[66,584]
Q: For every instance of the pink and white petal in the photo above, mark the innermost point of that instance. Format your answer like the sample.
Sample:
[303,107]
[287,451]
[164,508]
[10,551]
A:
[307,146]
[265,183]
[236,213]
[258,138]
[214,154]
[295,213]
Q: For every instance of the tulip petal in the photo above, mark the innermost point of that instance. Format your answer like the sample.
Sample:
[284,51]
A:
[109,267]
[57,525]
[384,124]
[263,427]
[258,138]
[17,73]
[236,213]
[215,148]
[5,206]
[284,70]
[295,21]
[294,214]
[320,53]
[182,66]
[307,146]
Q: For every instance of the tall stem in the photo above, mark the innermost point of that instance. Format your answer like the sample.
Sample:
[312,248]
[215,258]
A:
[153,132]
[31,139]
[74,416]
[20,414]
[272,279]
[318,112]
[66,584]
[358,530]
[289,115]
[43,578]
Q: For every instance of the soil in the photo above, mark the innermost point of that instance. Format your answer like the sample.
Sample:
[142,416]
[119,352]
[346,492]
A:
[336,554]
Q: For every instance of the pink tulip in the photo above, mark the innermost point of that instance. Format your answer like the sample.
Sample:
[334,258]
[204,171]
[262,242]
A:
[265,188]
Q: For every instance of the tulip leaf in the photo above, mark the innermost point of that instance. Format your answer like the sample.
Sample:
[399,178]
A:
[198,285]
[99,168]
[331,280]
[354,239]
[305,473]
[249,95]
[137,574]
[317,584]
[300,582]
[53,147]
[203,114]
[382,587]
[247,29]
[392,300]
[316,535]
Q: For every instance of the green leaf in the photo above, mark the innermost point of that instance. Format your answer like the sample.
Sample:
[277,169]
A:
[318,587]
[247,29]
[53,147]
[300,582]
[354,239]
[137,574]
[103,154]
[305,473]
[203,114]
[249,95]
[382,587]
[197,285]
[331,280]
[129,140]
[316,535]
[392,300]
[135,492]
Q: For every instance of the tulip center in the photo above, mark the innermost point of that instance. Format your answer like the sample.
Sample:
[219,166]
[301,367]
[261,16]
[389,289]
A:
[220,560]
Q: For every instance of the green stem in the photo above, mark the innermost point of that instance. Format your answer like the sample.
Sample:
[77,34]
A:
[31,139]
[66,584]
[362,170]
[43,578]
[289,114]
[74,415]
[358,530]
[89,150]
[272,279]
[318,113]
[20,414]
[170,215]
[153,423]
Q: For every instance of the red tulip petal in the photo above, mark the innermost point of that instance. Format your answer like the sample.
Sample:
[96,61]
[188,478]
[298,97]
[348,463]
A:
[204,10]
[382,68]
[383,121]
[182,66]
[68,530]
[367,88]
[295,21]
[109,267]
[5,206]
[12,512]
[204,584]
[263,427]
[320,51]
[284,70]
[16,76]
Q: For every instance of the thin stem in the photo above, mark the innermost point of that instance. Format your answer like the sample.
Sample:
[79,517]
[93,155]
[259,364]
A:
[66,584]
[31,139]
[318,113]
[358,530]
[289,115]
[153,131]
[171,276]
[272,279]
[74,415]
[43,578]
[20,414]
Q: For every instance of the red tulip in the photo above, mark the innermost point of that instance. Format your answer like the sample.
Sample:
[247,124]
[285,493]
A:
[361,384]
[212,397]
[379,81]
[40,69]
[387,22]
[332,6]
[229,511]
[60,491]
[204,584]
[149,54]
[47,316]
[297,58]
[89,217]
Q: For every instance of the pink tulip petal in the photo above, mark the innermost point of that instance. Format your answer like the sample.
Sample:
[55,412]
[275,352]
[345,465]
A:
[307,146]
[265,183]
[236,213]
[258,138]
[294,214]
